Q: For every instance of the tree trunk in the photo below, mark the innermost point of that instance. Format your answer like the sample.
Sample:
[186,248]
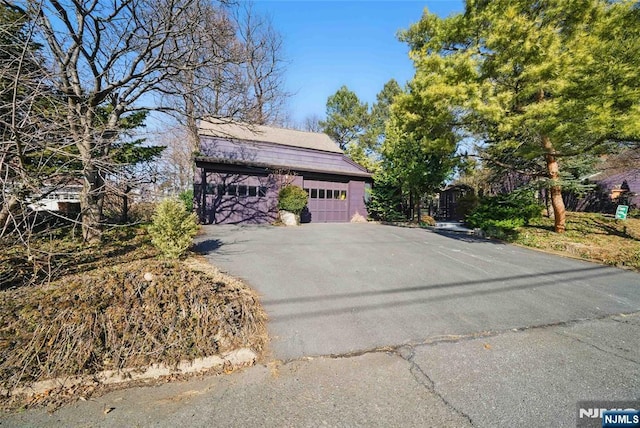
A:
[410,211]
[9,205]
[192,129]
[191,123]
[92,193]
[547,203]
[124,218]
[90,202]
[557,203]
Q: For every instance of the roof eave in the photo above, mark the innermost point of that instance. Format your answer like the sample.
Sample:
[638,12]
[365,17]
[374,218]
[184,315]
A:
[272,168]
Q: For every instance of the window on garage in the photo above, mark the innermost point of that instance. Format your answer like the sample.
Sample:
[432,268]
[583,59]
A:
[235,190]
[327,194]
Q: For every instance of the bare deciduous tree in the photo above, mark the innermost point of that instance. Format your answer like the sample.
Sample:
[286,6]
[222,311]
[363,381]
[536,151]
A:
[264,66]
[311,123]
[214,88]
[176,163]
[242,77]
[101,61]
[112,55]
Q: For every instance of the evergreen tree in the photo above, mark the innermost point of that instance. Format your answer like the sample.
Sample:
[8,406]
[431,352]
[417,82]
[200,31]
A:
[358,130]
[422,133]
[380,113]
[347,118]
[540,82]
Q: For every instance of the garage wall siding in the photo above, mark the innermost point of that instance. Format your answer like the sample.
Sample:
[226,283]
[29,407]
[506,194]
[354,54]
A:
[235,198]
[356,199]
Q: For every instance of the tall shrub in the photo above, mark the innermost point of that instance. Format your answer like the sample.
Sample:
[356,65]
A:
[292,198]
[385,203]
[172,228]
[503,214]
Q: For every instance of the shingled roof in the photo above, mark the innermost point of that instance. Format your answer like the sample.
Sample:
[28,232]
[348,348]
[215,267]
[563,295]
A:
[268,134]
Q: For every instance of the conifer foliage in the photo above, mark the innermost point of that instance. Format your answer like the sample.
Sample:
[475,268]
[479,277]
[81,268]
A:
[173,228]
[533,82]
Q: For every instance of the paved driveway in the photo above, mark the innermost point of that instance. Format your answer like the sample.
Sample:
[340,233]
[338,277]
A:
[365,289]
[338,289]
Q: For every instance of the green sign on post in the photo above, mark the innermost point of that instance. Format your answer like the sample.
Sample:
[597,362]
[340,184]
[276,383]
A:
[621,212]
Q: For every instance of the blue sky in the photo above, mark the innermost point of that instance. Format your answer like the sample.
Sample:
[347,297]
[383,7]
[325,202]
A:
[333,43]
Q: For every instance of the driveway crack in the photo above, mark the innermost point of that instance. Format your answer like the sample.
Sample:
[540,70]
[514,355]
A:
[606,351]
[630,319]
[456,338]
[407,353]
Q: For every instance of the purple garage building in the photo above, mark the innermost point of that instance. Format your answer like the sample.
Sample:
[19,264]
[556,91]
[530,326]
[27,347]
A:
[242,167]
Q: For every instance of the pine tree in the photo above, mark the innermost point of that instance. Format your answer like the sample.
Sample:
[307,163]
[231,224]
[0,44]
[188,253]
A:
[541,82]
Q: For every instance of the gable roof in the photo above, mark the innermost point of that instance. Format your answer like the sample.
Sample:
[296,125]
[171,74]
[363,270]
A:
[269,134]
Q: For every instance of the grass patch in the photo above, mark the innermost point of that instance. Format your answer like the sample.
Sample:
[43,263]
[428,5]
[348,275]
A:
[117,306]
[589,236]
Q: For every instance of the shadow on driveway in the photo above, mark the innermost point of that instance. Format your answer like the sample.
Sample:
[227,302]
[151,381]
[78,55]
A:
[466,237]
[568,275]
[207,246]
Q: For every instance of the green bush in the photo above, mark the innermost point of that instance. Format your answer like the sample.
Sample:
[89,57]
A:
[292,198]
[172,228]
[186,197]
[385,203]
[501,215]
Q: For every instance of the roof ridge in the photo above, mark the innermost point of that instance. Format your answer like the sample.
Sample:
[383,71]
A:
[266,133]
[249,125]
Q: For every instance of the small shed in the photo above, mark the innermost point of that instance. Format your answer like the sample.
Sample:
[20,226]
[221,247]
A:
[448,201]
[242,167]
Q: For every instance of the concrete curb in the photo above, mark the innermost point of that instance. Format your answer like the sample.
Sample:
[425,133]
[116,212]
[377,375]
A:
[241,357]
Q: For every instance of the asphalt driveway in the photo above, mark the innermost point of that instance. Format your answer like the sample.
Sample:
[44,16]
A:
[415,329]
[340,289]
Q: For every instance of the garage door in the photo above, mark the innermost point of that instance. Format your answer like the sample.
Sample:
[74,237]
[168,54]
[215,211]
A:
[328,201]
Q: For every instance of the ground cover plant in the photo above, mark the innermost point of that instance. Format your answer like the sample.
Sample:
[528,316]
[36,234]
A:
[589,236]
[113,307]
